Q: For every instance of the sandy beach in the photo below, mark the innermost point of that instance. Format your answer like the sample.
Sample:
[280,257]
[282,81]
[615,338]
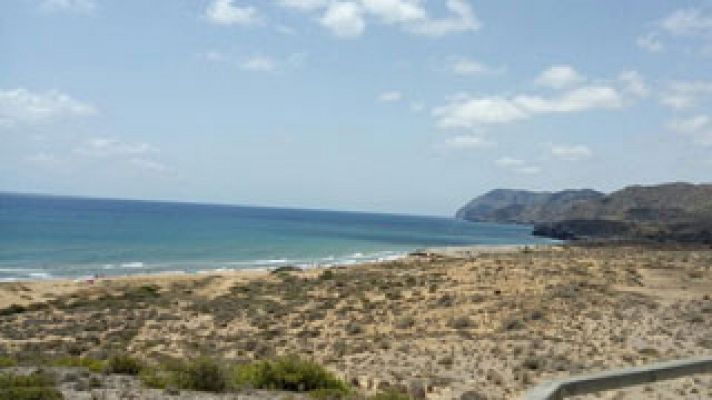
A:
[444,323]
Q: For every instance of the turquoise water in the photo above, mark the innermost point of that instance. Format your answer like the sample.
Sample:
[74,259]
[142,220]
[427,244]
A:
[45,237]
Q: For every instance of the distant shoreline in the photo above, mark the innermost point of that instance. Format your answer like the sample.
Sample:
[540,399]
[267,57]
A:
[438,252]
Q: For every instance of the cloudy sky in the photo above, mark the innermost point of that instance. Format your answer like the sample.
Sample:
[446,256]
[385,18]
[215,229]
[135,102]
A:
[409,106]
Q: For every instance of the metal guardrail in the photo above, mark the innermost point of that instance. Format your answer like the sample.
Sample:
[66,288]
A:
[615,379]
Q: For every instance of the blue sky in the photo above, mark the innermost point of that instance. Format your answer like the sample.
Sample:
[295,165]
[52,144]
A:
[408,106]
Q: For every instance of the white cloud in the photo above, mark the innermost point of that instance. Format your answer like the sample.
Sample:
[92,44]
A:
[559,77]
[224,12]
[650,42]
[517,165]
[462,19]
[285,30]
[571,153]
[698,128]
[395,11]
[634,84]
[465,66]
[81,6]
[344,19]
[693,25]
[297,59]
[149,165]
[348,18]
[44,159]
[579,99]
[107,147]
[417,106]
[467,142]
[691,125]
[468,113]
[304,5]
[137,154]
[528,170]
[465,112]
[688,21]
[390,97]
[684,94]
[259,64]
[213,56]
[23,106]
[509,162]
[677,101]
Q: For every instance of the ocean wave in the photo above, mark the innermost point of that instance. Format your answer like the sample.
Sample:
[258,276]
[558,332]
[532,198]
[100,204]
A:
[201,267]
[40,275]
[133,264]
[260,262]
[22,270]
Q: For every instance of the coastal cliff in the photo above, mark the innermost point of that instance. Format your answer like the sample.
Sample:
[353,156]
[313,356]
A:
[680,212]
[521,206]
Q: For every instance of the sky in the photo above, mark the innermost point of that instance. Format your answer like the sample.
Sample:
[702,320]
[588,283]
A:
[405,106]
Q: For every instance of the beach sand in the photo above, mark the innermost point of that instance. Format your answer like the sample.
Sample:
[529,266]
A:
[445,322]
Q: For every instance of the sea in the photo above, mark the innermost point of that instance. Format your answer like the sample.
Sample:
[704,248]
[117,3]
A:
[49,237]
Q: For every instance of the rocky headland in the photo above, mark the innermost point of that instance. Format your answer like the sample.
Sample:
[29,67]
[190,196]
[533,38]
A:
[674,212]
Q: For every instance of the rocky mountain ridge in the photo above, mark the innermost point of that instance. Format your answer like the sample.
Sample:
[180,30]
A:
[680,212]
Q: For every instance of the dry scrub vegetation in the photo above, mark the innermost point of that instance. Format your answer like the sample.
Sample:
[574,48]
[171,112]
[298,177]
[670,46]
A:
[478,325]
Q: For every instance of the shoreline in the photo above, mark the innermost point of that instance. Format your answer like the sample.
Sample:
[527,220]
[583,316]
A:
[455,251]
[50,287]
[197,268]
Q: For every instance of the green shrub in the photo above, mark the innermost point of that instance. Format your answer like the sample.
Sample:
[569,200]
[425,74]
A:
[155,378]
[326,275]
[36,386]
[202,374]
[390,395]
[30,393]
[7,362]
[328,394]
[462,322]
[12,309]
[91,364]
[36,379]
[145,292]
[287,373]
[123,364]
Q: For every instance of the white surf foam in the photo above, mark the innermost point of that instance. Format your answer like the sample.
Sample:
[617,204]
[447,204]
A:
[133,264]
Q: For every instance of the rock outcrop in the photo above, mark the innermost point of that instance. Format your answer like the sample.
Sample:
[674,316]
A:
[521,206]
[680,212]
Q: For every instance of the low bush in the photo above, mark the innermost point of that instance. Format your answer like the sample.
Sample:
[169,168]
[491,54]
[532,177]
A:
[326,275]
[389,395]
[7,362]
[35,386]
[202,374]
[329,394]
[155,378]
[30,393]
[463,322]
[91,364]
[288,373]
[37,378]
[405,322]
[12,309]
[123,364]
